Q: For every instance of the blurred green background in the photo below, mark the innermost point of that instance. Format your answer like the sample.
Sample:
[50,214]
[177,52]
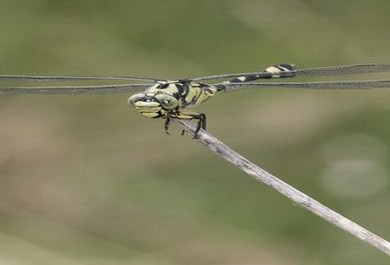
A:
[87,180]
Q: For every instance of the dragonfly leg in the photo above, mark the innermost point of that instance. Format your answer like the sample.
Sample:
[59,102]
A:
[200,117]
[166,125]
[201,123]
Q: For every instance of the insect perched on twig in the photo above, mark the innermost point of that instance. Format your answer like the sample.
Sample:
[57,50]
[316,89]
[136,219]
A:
[170,99]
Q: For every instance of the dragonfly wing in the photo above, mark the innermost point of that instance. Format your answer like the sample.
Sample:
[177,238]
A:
[290,71]
[72,90]
[309,85]
[344,70]
[72,78]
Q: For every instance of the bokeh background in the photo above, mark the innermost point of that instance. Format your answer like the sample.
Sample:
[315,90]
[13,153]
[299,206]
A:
[87,180]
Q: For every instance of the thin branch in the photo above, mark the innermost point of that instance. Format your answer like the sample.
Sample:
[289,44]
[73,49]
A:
[290,192]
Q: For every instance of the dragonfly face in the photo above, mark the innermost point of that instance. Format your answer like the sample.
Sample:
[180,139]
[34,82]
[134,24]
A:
[153,105]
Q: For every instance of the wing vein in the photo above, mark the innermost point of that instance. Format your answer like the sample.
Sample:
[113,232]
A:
[309,85]
[72,90]
[72,78]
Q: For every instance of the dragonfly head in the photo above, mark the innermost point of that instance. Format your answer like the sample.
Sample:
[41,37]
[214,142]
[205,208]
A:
[153,105]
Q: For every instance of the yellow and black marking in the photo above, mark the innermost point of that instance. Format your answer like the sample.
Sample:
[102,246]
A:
[275,71]
[166,99]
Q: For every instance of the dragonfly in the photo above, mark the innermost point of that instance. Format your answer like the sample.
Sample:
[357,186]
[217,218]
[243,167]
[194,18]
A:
[170,99]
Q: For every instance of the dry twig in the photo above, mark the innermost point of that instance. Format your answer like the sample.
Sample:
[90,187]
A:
[293,194]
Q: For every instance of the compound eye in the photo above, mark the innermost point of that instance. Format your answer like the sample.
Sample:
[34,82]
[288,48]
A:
[167,101]
[135,98]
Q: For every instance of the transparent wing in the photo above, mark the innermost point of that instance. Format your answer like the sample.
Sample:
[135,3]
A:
[72,90]
[321,71]
[95,89]
[344,70]
[73,78]
[309,85]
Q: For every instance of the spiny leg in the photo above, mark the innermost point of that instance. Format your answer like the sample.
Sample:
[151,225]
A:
[166,125]
[201,117]
[201,124]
